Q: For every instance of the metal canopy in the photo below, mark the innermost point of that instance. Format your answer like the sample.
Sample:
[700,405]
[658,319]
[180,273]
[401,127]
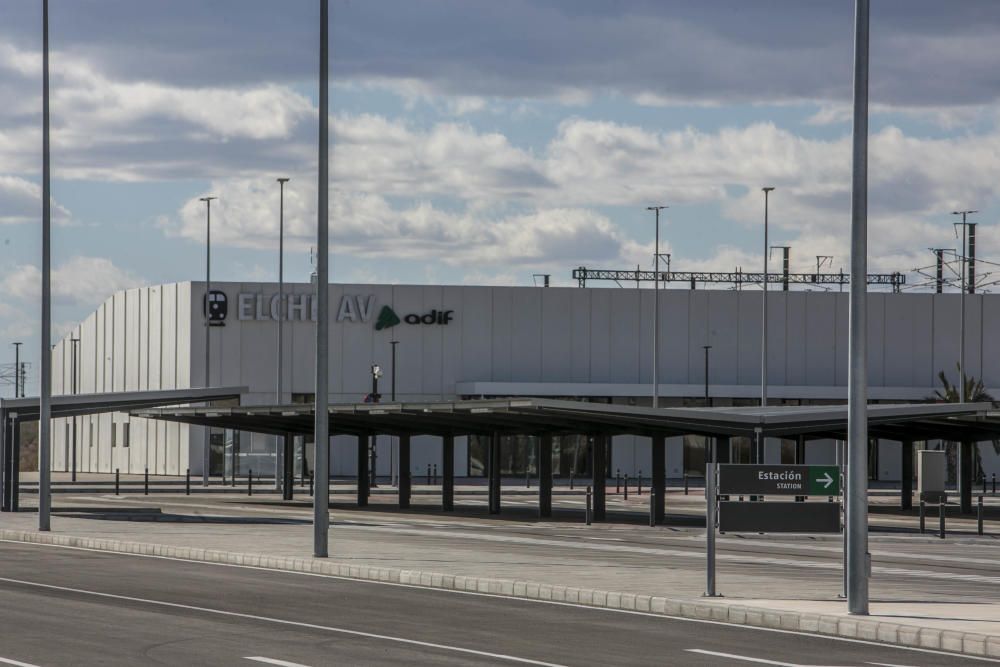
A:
[68,405]
[536,416]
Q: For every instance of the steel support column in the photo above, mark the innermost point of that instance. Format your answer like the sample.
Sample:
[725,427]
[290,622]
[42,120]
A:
[6,456]
[494,473]
[545,476]
[722,449]
[448,473]
[965,464]
[362,470]
[15,465]
[906,477]
[659,478]
[405,479]
[598,473]
[288,466]
[800,450]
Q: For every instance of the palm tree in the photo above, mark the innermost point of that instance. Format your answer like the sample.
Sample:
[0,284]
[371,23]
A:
[975,392]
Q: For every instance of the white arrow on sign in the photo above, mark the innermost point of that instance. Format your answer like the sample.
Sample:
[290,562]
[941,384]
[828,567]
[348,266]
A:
[826,479]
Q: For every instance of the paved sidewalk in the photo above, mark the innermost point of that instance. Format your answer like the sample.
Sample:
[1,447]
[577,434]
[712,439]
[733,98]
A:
[596,565]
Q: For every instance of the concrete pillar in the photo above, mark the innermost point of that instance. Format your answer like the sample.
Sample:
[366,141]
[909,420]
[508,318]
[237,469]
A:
[545,476]
[448,473]
[800,449]
[15,465]
[598,453]
[722,449]
[965,459]
[659,478]
[404,472]
[362,471]
[494,473]
[288,466]
[906,477]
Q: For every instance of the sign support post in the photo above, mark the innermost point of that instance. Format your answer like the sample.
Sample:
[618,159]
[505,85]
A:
[711,499]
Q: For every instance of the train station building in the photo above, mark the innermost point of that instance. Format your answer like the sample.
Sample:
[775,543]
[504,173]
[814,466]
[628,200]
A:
[449,343]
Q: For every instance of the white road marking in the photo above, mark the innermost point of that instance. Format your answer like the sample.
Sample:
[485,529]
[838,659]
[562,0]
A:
[281,621]
[510,598]
[17,663]
[746,658]
[274,661]
[887,664]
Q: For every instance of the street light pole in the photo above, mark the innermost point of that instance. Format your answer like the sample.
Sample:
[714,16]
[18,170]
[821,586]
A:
[18,390]
[707,348]
[858,559]
[961,327]
[656,308]
[321,428]
[208,326]
[279,459]
[75,342]
[45,380]
[759,445]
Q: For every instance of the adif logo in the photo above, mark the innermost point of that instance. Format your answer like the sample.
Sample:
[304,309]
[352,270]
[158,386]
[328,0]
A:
[387,317]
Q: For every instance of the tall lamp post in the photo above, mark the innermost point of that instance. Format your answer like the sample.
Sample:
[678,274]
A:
[206,459]
[656,308]
[961,326]
[75,342]
[321,427]
[392,451]
[376,397]
[279,440]
[858,563]
[45,380]
[759,454]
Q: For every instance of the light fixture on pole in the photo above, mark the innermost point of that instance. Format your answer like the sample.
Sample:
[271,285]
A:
[279,453]
[208,326]
[759,445]
[961,318]
[858,566]
[321,427]
[656,308]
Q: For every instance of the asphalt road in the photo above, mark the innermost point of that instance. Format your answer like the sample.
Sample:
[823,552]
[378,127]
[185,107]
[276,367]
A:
[74,607]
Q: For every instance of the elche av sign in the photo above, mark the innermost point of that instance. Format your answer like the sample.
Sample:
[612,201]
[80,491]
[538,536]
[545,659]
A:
[253,306]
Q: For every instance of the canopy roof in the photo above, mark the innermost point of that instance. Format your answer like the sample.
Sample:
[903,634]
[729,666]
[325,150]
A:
[538,416]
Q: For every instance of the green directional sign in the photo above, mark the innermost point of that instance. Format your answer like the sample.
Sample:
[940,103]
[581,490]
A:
[778,480]
[824,481]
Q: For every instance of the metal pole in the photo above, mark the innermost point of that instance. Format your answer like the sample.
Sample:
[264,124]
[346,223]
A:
[75,361]
[763,316]
[321,500]
[858,558]
[208,327]
[961,334]
[656,308]
[45,381]
[279,441]
[710,509]
[392,389]
[17,370]
[979,516]
[941,520]
[707,348]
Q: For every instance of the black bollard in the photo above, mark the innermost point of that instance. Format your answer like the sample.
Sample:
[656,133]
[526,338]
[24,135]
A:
[187,482]
[923,513]
[652,507]
[618,480]
[145,483]
[312,476]
[626,486]
[570,480]
[116,482]
[994,483]
[638,485]
[979,515]
[250,482]
[587,515]
[428,474]
[941,519]
[435,473]
[685,484]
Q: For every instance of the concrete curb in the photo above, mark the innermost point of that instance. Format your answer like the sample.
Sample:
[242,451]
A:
[822,624]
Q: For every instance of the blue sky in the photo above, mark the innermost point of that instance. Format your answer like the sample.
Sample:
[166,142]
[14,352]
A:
[482,142]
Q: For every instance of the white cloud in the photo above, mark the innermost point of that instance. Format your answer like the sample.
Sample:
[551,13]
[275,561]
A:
[21,203]
[80,281]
